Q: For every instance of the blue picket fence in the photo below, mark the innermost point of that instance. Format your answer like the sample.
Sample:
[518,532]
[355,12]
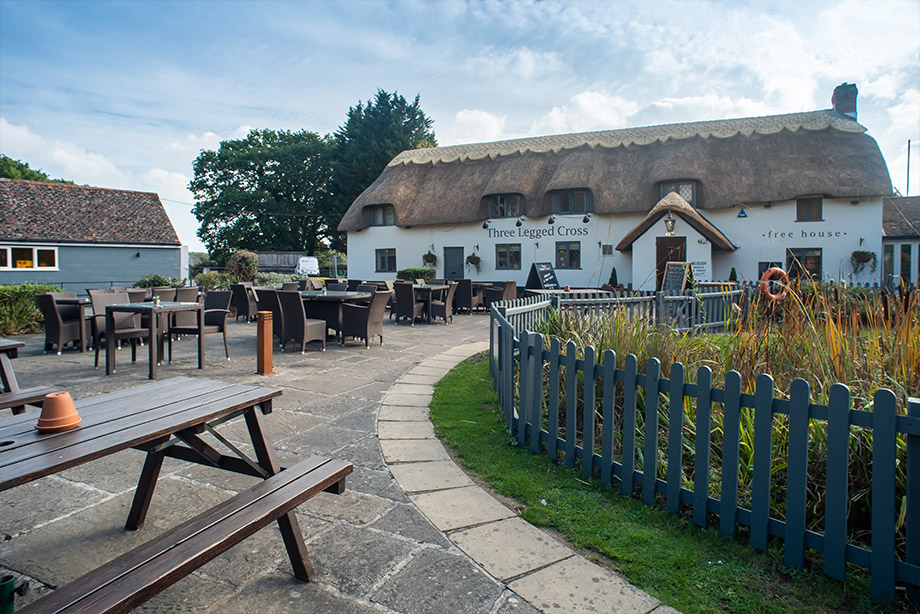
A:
[538,386]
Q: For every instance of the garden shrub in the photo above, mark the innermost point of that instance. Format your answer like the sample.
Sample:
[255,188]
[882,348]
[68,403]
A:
[214,281]
[18,310]
[243,264]
[275,279]
[413,274]
[153,280]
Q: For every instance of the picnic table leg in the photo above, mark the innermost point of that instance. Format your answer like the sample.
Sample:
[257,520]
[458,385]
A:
[287,524]
[145,485]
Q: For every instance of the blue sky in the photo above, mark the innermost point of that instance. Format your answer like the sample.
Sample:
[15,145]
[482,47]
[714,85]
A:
[126,94]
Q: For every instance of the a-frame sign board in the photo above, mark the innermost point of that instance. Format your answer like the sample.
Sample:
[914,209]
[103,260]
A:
[542,277]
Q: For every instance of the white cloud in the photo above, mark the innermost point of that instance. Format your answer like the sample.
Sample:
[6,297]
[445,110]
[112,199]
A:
[474,126]
[586,111]
[520,63]
[173,190]
[696,108]
[61,159]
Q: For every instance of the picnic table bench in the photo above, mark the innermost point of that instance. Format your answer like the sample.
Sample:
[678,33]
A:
[166,418]
[12,396]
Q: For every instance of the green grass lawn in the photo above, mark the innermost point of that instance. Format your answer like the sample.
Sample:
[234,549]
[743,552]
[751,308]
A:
[683,566]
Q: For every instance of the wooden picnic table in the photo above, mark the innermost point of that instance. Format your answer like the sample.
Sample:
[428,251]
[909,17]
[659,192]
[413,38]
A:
[166,419]
[154,311]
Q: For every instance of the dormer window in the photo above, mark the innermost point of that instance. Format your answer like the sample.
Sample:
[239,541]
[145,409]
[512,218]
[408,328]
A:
[382,215]
[572,202]
[809,210]
[684,189]
[505,205]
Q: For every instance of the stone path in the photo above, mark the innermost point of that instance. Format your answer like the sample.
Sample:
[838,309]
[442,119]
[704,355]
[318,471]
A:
[374,550]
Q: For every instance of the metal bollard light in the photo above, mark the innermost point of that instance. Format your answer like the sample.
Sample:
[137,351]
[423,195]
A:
[264,343]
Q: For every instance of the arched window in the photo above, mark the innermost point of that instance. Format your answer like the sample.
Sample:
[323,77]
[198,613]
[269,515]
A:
[381,215]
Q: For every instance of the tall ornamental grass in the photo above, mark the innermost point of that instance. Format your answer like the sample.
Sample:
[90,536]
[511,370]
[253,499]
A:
[823,334]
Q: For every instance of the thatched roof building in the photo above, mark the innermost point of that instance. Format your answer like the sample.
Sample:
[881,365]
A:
[751,160]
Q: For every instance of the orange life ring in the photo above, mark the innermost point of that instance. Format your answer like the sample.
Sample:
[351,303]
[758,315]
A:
[764,282]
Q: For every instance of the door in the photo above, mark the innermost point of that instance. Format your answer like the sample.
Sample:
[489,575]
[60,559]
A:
[668,249]
[453,263]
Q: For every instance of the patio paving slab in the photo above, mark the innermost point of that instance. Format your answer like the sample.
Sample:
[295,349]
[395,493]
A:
[412,450]
[405,430]
[457,508]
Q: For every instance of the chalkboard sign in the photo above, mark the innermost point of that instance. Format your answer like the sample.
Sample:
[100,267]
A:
[675,278]
[542,277]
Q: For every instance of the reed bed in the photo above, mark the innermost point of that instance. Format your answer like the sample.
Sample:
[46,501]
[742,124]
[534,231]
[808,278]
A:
[821,333]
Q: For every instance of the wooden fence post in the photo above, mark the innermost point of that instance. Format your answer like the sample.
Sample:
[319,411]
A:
[912,521]
[884,412]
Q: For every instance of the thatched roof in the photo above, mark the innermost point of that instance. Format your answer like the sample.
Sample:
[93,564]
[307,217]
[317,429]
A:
[901,217]
[59,212]
[735,161]
[673,203]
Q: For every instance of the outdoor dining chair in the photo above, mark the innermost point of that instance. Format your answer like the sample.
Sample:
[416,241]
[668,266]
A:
[244,301]
[185,318]
[59,331]
[268,301]
[297,326]
[138,295]
[334,287]
[444,308]
[216,311]
[467,297]
[406,305]
[365,288]
[500,292]
[365,321]
[127,325]
[316,283]
[290,286]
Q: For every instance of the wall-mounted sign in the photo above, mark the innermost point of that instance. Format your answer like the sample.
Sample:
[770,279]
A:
[542,277]
[700,270]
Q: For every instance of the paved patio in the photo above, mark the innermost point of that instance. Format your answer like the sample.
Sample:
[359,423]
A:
[373,547]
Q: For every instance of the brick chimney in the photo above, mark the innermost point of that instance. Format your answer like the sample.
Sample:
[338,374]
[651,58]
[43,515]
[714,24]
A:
[844,99]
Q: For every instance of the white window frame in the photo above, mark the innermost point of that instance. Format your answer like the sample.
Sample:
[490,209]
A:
[35,249]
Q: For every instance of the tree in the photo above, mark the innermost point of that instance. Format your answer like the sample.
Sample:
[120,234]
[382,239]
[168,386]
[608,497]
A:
[267,192]
[373,134]
[16,169]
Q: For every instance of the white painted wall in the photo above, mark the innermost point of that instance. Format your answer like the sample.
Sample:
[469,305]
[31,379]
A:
[766,233]
[762,236]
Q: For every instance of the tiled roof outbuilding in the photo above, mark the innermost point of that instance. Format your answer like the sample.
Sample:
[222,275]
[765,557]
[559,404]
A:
[901,217]
[57,212]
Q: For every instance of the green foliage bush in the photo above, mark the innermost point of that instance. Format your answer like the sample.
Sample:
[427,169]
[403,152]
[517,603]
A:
[613,277]
[18,310]
[413,274]
[275,279]
[152,280]
[214,281]
[243,264]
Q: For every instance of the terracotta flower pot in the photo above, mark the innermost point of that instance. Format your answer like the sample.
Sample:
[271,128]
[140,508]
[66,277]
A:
[58,413]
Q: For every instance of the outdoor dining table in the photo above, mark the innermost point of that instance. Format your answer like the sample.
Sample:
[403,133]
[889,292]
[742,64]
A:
[327,305]
[83,303]
[155,341]
[425,292]
[163,419]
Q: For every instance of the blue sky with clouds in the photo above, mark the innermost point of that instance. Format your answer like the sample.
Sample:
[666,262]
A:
[126,94]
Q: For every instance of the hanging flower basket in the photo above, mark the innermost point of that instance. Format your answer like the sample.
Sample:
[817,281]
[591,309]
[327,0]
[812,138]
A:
[474,261]
[430,259]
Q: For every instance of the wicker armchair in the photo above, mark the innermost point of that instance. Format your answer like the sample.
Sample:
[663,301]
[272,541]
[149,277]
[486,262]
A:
[216,311]
[363,322]
[59,331]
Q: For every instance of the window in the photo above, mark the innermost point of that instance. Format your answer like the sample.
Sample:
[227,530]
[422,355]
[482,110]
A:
[888,265]
[508,256]
[684,189]
[905,264]
[28,258]
[505,205]
[572,201]
[804,261]
[808,210]
[568,255]
[382,215]
[386,260]
[763,266]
